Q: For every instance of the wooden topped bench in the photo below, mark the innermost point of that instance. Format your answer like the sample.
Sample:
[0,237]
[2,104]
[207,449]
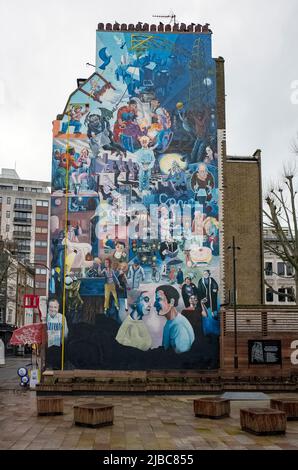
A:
[288,405]
[263,421]
[93,414]
[49,406]
[211,407]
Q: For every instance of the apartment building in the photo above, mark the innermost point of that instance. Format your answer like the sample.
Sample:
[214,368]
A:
[24,218]
[16,280]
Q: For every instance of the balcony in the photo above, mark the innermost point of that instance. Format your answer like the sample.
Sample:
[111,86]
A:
[23,249]
[23,207]
[18,234]
[21,220]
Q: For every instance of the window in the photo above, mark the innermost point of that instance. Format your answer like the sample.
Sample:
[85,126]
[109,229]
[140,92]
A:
[40,285]
[41,230]
[9,317]
[41,271]
[291,293]
[281,269]
[281,295]
[0,200]
[40,257]
[23,215]
[7,228]
[8,214]
[269,295]
[20,188]
[22,228]
[8,200]
[268,269]
[42,203]
[36,190]
[41,216]
[30,281]
[41,243]
[24,243]
[23,202]
[290,270]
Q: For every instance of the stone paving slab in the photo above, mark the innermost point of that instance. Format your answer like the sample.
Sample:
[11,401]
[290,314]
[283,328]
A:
[245,396]
[140,422]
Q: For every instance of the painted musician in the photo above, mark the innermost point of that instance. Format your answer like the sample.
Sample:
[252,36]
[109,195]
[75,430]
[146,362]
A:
[111,281]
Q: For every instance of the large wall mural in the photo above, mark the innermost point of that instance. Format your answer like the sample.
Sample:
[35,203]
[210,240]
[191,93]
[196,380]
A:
[134,217]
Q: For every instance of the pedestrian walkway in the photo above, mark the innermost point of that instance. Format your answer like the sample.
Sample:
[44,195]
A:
[140,422]
[8,374]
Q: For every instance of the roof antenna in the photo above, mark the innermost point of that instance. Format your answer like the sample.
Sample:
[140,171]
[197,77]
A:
[170,15]
[91,65]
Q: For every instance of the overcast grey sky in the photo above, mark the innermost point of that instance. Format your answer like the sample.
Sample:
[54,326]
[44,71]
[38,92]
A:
[44,46]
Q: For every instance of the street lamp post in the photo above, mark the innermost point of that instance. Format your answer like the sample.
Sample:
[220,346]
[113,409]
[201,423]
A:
[234,248]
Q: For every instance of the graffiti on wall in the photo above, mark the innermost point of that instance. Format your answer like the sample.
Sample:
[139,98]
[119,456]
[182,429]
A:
[134,211]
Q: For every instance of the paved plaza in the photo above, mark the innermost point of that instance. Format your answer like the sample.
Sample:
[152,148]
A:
[146,422]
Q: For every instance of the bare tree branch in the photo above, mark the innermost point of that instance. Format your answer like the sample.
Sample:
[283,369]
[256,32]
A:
[281,219]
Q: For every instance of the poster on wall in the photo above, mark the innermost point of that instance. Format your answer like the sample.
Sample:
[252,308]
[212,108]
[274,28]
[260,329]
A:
[134,211]
[264,352]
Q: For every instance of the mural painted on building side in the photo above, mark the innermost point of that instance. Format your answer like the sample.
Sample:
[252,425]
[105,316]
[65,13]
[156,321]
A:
[134,211]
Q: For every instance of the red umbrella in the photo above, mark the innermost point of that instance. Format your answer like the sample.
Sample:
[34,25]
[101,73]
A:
[28,334]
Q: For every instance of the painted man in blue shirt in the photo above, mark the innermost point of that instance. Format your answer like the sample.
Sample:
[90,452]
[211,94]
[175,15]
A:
[178,333]
[145,161]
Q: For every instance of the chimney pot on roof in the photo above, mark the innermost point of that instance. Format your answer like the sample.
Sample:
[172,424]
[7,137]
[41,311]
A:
[206,29]
[257,153]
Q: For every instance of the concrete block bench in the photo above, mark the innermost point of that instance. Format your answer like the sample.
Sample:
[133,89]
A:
[49,406]
[213,407]
[288,405]
[263,421]
[93,415]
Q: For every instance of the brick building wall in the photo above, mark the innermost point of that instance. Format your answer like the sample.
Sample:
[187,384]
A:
[243,220]
[241,194]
